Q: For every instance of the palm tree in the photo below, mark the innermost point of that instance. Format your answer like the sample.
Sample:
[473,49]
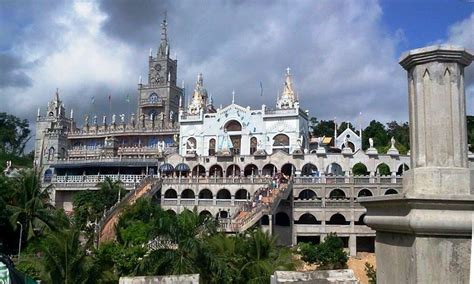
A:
[64,259]
[263,257]
[31,205]
[109,191]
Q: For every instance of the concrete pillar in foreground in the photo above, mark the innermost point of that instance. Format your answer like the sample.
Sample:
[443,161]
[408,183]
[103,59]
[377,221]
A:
[423,235]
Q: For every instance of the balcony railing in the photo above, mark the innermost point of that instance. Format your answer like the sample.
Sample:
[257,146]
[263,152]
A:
[348,179]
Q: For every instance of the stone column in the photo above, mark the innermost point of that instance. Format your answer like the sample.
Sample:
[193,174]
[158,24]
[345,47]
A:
[423,235]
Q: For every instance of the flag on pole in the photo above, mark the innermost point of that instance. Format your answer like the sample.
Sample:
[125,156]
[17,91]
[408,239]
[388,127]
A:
[261,89]
[92,100]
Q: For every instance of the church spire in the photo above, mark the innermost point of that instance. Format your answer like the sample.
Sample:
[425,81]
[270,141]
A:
[288,97]
[163,50]
[199,98]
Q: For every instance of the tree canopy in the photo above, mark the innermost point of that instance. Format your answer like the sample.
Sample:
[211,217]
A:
[14,134]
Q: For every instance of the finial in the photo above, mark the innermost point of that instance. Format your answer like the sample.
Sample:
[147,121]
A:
[182,85]
[151,52]
[288,70]
[140,80]
[169,76]
[38,115]
[72,113]
[233,96]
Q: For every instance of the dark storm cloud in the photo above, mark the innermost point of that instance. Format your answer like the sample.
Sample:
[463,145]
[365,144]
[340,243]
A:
[135,22]
[11,72]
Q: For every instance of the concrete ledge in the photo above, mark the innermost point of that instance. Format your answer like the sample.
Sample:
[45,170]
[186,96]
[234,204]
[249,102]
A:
[169,279]
[432,53]
[317,276]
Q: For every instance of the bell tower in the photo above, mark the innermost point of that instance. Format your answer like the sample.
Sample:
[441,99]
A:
[158,100]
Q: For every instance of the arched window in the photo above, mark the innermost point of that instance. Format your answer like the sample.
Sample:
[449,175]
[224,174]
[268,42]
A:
[51,152]
[199,171]
[364,192]
[334,169]
[215,171]
[253,145]
[223,194]
[191,145]
[241,194]
[337,194]
[269,170]
[205,194]
[204,214]
[337,219]
[361,220]
[307,194]
[307,219]
[309,170]
[212,147]
[171,212]
[281,142]
[153,98]
[187,194]
[265,221]
[359,169]
[223,214]
[250,170]
[48,175]
[391,191]
[288,169]
[233,171]
[402,169]
[383,170]
[233,125]
[171,193]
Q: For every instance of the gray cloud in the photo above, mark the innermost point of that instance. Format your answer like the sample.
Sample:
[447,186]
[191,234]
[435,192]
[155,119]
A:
[11,73]
[343,59]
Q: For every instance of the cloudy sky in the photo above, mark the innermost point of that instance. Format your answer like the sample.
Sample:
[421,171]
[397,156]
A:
[343,54]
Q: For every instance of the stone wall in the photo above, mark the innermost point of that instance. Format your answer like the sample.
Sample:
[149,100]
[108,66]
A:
[169,279]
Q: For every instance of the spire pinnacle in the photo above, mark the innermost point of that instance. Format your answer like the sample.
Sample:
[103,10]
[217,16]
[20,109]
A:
[233,96]
[163,50]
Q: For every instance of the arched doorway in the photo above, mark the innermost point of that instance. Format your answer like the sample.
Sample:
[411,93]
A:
[269,170]
[334,169]
[307,194]
[391,191]
[288,169]
[233,129]
[205,194]
[360,169]
[337,219]
[365,192]
[250,170]
[253,145]
[233,171]
[199,171]
[309,170]
[337,194]
[187,194]
[402,169]
[212,147]
[171,193]
[383,170]
[215,171]
[204,214]
[242,194]
[223,194]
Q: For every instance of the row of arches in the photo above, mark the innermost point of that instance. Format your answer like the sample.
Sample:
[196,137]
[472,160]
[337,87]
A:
[270,169]
[335,219]
[241,194]
[340,194]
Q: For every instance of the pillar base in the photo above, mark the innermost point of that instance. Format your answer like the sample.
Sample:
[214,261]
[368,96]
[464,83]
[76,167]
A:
[426,239]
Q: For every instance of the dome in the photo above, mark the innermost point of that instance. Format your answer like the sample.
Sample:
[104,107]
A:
[166,168]
[182,168]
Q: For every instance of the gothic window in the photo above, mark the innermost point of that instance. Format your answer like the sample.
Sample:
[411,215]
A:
[51,154]
[253,145]
[212,147]
[281,142]
[191,146]
[233,125]
[153,98]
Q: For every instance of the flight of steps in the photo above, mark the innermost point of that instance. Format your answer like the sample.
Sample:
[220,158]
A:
[106,227]
[249,216]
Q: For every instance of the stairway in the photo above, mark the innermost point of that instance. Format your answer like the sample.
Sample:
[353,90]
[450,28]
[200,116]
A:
[106,227]
[249,216]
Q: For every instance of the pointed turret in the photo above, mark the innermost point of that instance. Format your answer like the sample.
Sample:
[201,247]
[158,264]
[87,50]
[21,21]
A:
[288,97]
[199,98]
[163,50]
[56,107]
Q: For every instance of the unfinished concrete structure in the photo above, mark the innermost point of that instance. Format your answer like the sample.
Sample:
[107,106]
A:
[423,235]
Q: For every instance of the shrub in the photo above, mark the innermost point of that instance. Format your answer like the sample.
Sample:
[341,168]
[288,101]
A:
[329,254]
[371,273]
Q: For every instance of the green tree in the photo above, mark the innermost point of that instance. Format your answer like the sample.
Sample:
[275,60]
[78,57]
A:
[359,169]
[378,133]
[401,133]
[329,254]
[14,134]
[30,206]
[470,132]
[322,128]
[343,126]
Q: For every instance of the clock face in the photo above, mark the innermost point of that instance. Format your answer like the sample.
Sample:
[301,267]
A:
[157,67]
